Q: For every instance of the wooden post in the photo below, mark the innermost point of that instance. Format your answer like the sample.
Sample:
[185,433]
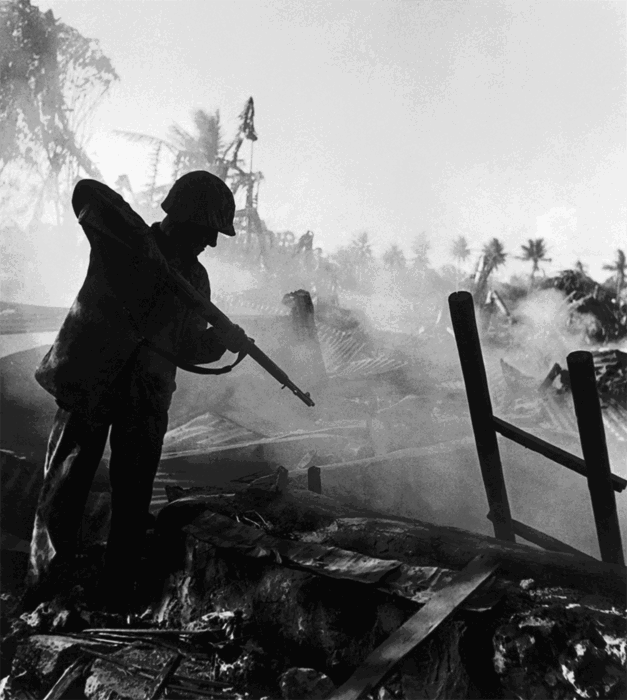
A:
[594,448]
[480,406]
[305,332]
[314,479]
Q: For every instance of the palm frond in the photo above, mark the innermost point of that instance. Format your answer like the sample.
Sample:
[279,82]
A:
[145,139]
[154,167]
[180,139]
[177,167]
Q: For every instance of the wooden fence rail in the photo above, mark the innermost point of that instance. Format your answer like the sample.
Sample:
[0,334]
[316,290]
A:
[594,466]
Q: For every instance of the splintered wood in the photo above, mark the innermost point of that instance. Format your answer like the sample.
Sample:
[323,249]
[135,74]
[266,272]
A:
[268,591]
[409,635]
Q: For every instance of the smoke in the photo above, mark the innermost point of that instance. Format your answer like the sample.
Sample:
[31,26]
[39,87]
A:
[415,417]
[444,483]
[228,278]
[43,265]
[546,330]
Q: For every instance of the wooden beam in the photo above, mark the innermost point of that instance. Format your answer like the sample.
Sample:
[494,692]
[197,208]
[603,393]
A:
[543,540]
[566,459]
[71,674]
[480,407]
[419,626]
[314,480]
[594,448]
[306,514]
[165,675]
[452,548]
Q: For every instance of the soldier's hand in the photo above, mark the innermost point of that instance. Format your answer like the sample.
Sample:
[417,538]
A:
[233,339]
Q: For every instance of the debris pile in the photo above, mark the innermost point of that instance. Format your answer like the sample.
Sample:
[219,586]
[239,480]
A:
[586,297]
[261,589]
[610,367]
[123,662]
[555,649]
[546,404]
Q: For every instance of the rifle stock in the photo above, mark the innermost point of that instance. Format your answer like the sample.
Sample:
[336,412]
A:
[203,307]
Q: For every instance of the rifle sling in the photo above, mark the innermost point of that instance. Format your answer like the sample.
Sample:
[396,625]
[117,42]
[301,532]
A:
[188,366]
[181,364]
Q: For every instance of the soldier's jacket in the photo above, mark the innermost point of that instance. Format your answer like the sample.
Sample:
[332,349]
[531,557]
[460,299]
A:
[121,302]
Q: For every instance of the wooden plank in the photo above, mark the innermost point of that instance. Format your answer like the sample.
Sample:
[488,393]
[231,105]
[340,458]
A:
[480,407]
[594,448]
[407,637]
[165,676]
[543,540]
[177,683]
[566,459]
[71,674]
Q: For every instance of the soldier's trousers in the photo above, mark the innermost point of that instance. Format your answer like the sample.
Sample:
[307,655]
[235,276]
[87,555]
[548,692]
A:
[136,426]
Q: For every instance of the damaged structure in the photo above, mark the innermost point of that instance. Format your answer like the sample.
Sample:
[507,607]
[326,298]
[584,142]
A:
[395,533]
[296,563]
[337,547]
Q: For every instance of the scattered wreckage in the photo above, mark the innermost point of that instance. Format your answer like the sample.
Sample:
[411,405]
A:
[546,404]
[259,587]
[262,589]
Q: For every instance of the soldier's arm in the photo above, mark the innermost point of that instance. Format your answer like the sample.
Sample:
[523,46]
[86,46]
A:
[105,217]
[199,344]
[110,209]
[201,347]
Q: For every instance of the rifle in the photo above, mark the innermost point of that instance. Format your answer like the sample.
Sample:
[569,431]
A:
[195,301]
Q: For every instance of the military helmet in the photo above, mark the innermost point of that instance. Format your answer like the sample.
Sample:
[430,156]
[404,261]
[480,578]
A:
[201,198]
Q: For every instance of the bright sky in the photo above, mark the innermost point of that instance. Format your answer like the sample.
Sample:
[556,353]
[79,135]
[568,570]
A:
[498,118]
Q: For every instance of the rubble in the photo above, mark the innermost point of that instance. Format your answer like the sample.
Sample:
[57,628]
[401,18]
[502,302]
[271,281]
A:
[558,648]
[305,684]
[588,298]
[257,588]
[546,405]
[269,591]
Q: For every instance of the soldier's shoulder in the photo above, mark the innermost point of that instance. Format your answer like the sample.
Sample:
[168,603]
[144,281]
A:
[112,209]
[91,191]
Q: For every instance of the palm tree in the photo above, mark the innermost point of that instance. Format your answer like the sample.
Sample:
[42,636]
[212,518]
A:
[361,251]
[355,259]
[460,250]
[394,258]
[620,268]
[493,256]
[201,150]
[51,80]
[535,250]
[420,248]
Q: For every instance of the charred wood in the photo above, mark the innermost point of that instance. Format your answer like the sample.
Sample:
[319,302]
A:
[411,541]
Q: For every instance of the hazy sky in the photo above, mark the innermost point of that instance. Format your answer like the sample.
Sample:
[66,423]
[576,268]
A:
[477,118]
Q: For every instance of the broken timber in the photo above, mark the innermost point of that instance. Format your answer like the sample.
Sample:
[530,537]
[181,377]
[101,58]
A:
[307,515]
[442,604]
[415,583]
[71,674]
